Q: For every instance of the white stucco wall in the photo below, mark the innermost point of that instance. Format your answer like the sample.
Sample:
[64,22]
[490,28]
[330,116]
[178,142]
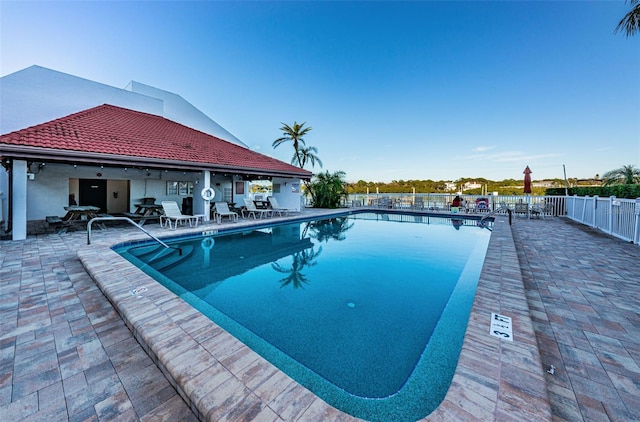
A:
[178,109]
[55,181]
[289,195]
[37,95]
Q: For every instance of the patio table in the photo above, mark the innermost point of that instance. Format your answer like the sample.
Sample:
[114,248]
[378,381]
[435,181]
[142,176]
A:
[76,214]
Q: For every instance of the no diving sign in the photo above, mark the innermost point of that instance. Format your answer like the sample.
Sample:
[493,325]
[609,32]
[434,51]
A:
[501,327]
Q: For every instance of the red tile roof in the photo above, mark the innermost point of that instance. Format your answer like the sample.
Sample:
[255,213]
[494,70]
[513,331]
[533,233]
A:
[115,134]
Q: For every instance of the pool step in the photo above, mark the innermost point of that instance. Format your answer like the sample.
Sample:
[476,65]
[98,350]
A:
[160,257]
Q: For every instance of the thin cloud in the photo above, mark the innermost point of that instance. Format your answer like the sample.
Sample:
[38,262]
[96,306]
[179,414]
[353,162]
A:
[511,156]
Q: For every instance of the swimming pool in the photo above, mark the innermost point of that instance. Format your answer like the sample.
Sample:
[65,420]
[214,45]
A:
[365,311]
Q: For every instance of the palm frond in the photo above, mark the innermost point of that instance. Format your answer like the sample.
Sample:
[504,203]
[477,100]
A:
[630,23]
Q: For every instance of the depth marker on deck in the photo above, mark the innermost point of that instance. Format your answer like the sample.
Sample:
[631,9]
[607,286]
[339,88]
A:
[501,327]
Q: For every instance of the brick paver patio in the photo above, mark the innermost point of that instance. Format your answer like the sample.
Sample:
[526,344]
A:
[65,354]
[583,289]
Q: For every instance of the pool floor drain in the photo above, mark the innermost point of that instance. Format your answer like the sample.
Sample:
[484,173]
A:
[351,305]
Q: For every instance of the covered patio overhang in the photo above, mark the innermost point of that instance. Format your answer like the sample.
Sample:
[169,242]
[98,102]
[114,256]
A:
[18,162]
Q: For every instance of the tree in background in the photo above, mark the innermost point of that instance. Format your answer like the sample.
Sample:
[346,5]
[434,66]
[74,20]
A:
[625,175]
[630,24]
[294,134]
[327,190]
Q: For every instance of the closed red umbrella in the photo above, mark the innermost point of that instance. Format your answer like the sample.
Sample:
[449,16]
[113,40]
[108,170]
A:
[527,180]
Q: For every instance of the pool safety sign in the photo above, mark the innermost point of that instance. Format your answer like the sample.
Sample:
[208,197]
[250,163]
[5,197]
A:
[501,327]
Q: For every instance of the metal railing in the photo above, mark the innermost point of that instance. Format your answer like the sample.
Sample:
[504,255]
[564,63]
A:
[551,205]
[500,209]
[133,223]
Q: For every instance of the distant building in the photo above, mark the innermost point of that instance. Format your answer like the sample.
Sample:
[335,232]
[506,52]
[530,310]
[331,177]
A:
[450,186]
[544,184]
[471,185]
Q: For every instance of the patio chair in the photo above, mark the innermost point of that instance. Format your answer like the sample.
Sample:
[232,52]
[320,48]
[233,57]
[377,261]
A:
[522,209]
[275,207]
[222,210]
[172,213]
[542,209]
[250,208]
[385,202]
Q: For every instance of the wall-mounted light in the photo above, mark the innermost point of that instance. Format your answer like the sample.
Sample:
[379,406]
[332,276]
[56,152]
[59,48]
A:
[75,166]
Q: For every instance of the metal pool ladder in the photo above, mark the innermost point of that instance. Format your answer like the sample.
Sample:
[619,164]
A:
[133,223]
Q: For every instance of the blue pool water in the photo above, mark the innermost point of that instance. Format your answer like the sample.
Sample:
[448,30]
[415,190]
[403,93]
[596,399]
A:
[368,311]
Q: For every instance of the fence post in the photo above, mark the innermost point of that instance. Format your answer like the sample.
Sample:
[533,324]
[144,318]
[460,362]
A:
[636,211]
[611,205]
[594,223]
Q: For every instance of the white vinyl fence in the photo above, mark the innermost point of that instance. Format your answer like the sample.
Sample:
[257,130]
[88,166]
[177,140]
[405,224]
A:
[617,217]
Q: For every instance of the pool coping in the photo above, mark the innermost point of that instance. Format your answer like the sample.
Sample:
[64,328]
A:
[222,379]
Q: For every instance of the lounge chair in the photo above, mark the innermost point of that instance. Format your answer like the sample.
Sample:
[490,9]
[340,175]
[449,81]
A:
[275,207]
[172,213]
[250,208]
[222,210]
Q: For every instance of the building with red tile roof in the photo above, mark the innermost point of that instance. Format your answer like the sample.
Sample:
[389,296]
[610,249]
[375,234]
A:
[139,143]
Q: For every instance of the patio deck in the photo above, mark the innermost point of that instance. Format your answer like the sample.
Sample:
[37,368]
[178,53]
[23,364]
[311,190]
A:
[66,354]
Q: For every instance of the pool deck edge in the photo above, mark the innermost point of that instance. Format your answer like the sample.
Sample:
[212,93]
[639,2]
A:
[497,379]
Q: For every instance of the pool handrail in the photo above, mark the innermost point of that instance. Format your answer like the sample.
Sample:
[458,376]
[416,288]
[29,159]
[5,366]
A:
[111,218]
[503,207]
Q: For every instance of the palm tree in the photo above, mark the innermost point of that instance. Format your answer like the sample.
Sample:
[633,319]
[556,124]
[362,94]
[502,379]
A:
[306,154]
[327,190]
[625,175]
[630,24]
[293,134]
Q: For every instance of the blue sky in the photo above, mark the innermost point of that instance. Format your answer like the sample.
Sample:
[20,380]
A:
[393,90]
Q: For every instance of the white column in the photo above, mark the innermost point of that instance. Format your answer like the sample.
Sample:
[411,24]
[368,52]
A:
[206,183]
[19,199]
